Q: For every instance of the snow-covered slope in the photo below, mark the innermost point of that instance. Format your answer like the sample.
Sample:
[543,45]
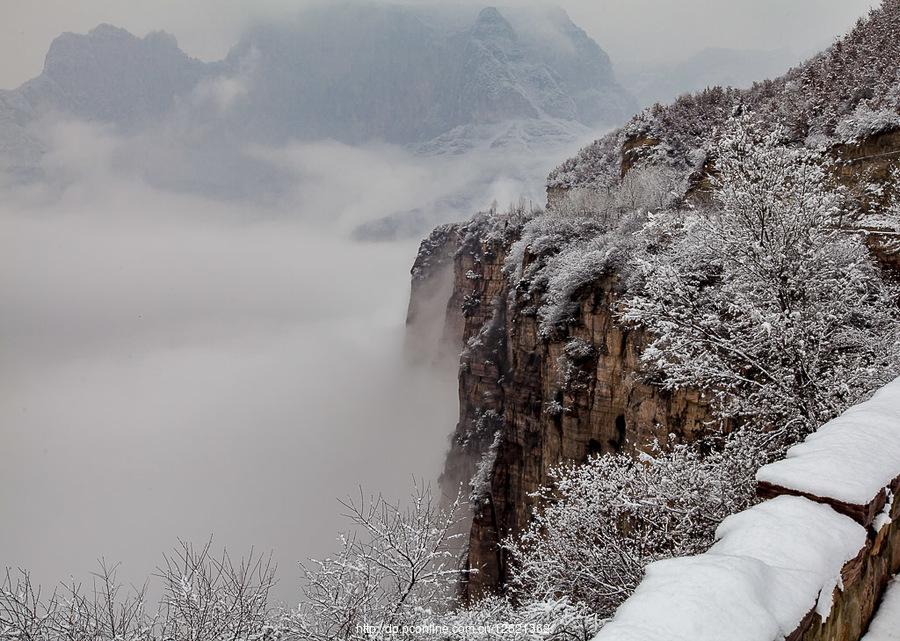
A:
[848,92]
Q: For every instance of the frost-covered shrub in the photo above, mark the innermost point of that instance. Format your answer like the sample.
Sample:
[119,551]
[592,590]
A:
[204,597]
[501,227]
[557,256]
[602,522]
[395,568]
[865,122]
[596,166]
[649,188]
[644,188]
[763,300]
[497,619]
[586,235]
[577,265]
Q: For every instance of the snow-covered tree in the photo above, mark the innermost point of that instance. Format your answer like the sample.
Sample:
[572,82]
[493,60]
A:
[763,299]
[644,188]
[208,596]
[398,564]
[205,597]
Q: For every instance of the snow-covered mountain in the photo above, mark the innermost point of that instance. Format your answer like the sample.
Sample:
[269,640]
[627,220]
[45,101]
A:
[437,81]
[407,75]
[107,76]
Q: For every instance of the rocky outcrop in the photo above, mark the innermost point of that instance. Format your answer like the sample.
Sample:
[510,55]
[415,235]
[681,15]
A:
[874,160]
[530,402]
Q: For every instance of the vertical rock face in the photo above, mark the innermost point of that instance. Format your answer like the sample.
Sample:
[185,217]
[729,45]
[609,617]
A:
[528,403]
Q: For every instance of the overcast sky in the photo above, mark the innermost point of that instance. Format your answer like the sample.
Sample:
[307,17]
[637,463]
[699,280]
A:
[628,29]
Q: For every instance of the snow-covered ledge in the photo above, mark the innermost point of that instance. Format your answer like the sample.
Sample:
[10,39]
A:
[851,463]
[808,564]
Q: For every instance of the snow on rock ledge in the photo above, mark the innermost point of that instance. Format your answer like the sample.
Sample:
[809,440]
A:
[810,564]
[852,462]
[762,577]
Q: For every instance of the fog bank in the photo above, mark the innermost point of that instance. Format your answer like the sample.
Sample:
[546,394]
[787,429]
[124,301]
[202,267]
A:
[176,366]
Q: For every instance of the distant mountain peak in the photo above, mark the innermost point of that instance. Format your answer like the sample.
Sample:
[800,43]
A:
[492,24]
[106,30]
[490,14]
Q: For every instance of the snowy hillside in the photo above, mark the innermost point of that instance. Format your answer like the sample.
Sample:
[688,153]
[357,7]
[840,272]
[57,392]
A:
[849,91]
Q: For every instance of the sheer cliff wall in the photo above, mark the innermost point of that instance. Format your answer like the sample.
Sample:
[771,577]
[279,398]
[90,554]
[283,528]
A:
[528,403]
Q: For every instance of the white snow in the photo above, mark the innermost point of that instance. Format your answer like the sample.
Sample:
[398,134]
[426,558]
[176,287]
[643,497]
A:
[757,583]
[884,518]
[886,624]
[849,459]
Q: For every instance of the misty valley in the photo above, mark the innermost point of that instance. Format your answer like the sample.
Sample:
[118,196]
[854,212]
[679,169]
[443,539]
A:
[450,322]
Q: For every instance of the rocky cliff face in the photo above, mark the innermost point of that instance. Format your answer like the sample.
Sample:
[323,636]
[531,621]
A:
[530,400]
[528,403]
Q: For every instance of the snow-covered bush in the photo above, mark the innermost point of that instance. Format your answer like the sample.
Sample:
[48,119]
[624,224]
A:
[596,166]
[576,265]
[648,188]
[865,122]
[602,522]
[586,235]
[498,619]
[762,299]
[644,188]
